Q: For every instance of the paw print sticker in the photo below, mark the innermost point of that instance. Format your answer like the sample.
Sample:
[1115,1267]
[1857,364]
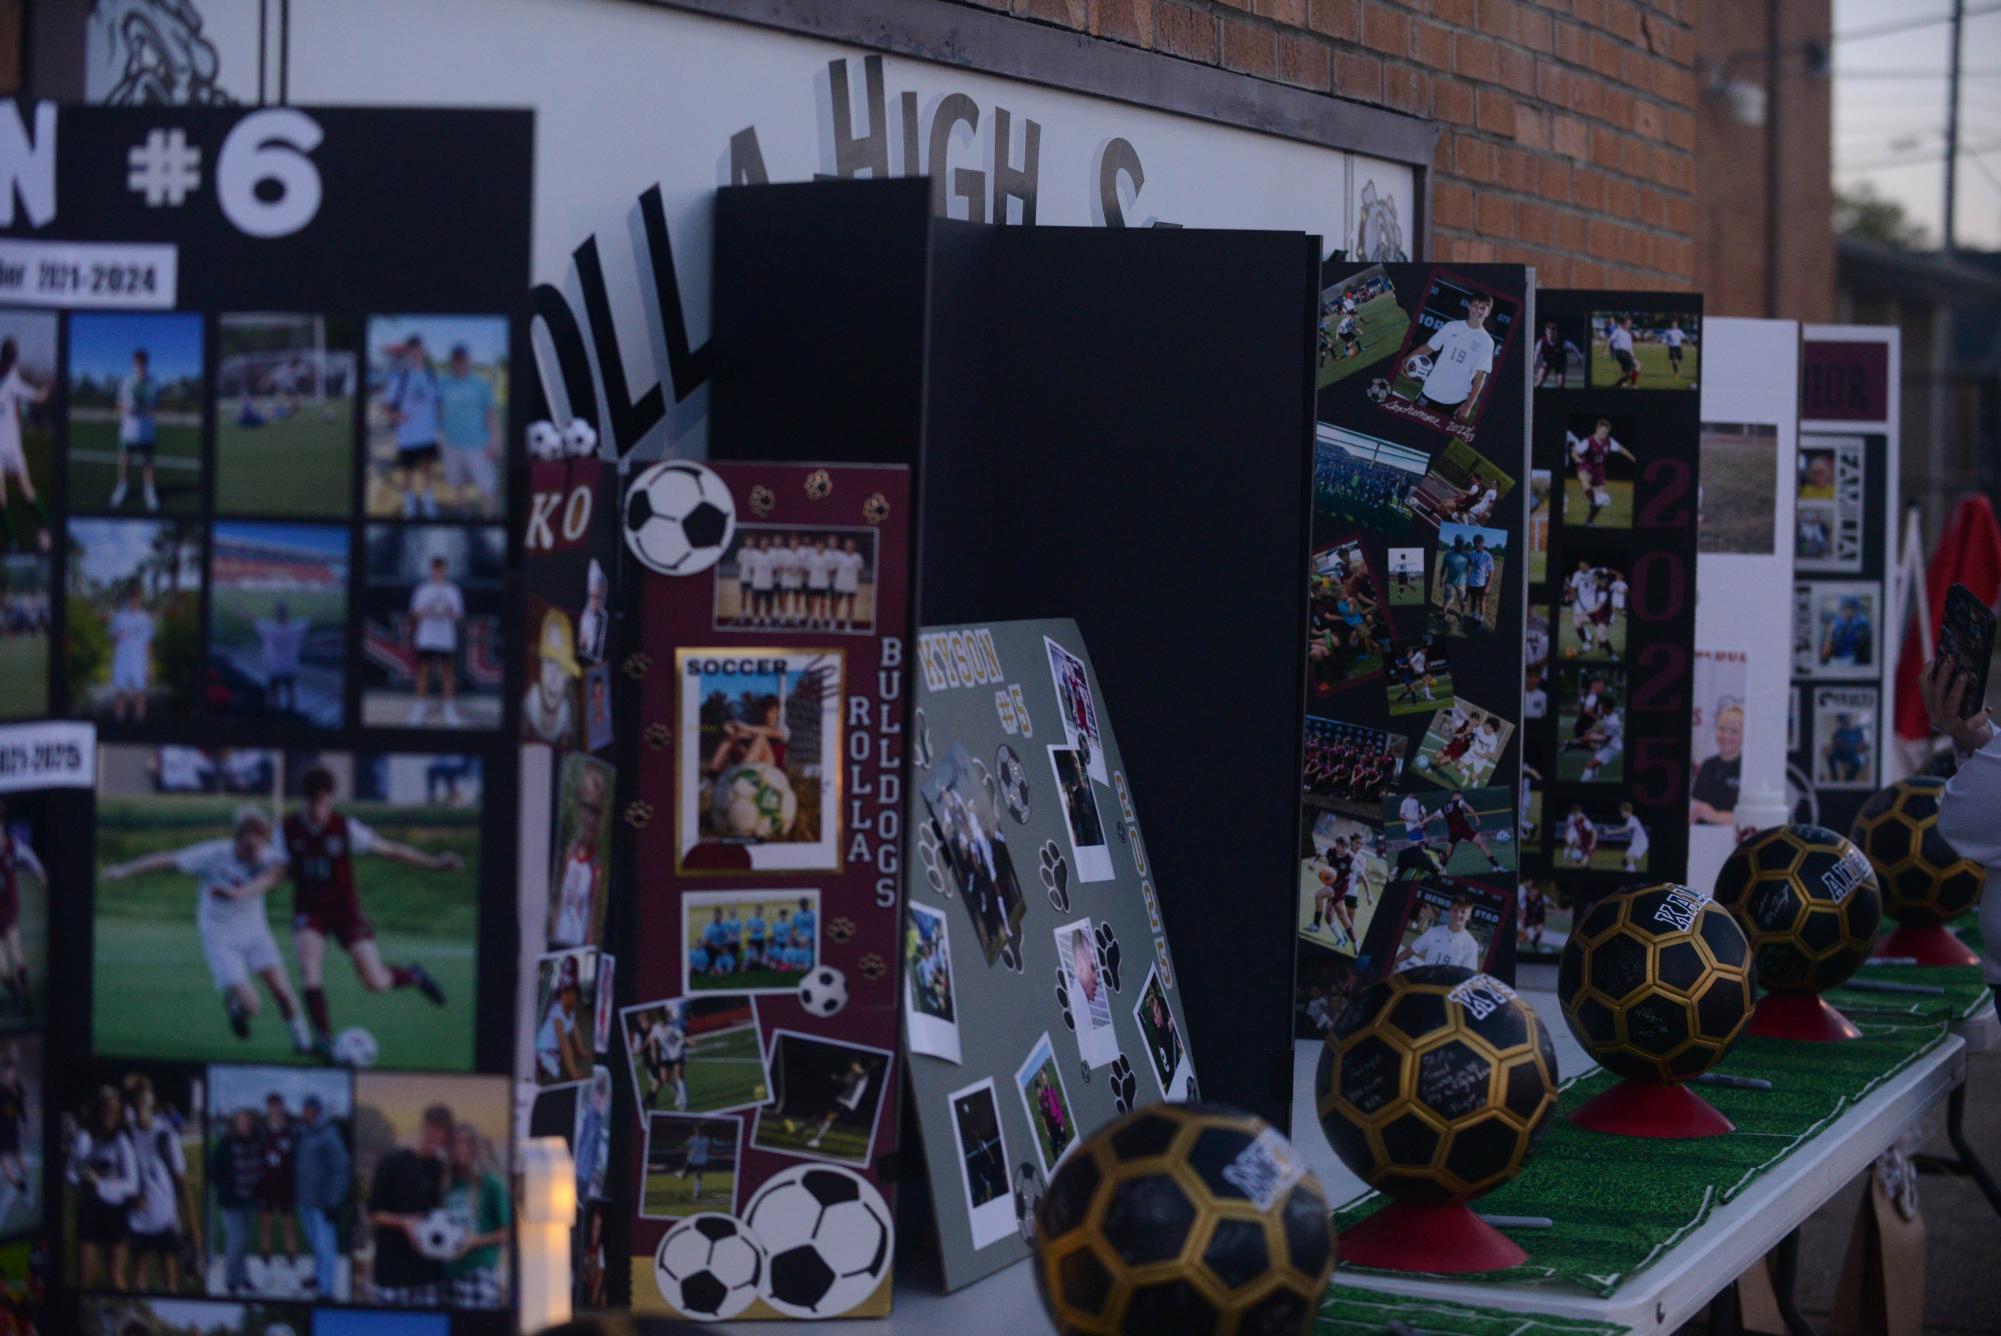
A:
[658,736]
[876,509]
[819,485]
[920,742]
[1010,955]
[761,500]
[1063,999]
[1012,776]
[1108,955]
[872,966]
[1124,1084]
[638,813]
[637,664]
[927,854]
[842,930]
[1055,870]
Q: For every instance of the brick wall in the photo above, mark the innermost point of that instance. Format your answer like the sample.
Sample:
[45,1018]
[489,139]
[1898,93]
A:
[1568,127]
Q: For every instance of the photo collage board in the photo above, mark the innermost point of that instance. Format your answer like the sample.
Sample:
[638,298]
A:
[1614,497]
[1408,852]
[1024,1036]
[256,435]
[754,1040]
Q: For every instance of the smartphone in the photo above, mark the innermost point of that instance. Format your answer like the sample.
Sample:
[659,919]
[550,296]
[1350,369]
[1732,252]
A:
[1966,640]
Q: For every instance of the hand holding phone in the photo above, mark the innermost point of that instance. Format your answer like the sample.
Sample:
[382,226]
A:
[1965,650]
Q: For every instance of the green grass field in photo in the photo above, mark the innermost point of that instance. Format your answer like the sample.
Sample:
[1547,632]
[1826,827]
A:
[723,1071]
[1655,374]
[93,468]
[1383,324]
[300,465]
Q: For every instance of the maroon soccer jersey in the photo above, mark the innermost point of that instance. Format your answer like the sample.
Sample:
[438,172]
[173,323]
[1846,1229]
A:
[322,867]
[1458,816]
[1596,454]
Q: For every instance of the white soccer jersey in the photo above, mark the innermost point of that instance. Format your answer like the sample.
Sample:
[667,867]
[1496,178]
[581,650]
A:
[1484,747]
[1636,837]
[1439,945]
[14,393]
[551,1038]
[1621,340]
[1417,661]
[157,1153]
[1535,704]
[215,865]
[437,606]
[1484,505]
[1674,338]
[791,567]
[1412,811]
[576,898]
[1583,583]
[1619,591]
[132,637]
[848,572]
[819,567]
[1462,353]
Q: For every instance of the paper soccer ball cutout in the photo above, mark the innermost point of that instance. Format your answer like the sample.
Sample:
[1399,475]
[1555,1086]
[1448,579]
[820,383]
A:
[824,991]
[545,441]
[1436,1084]
[580,439]
[753,802]
[439,1236]
[1183,1218]
[1924,880]
[709,1267]
[355,1047]
[829,1236]
[1656,982]
[1808,901]
[1379,390]
[679,518]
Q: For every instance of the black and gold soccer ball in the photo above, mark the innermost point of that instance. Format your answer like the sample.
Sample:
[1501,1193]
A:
[1808,900]
[1436,1084]
[1656,982]
[1924,881]
[1184,1218]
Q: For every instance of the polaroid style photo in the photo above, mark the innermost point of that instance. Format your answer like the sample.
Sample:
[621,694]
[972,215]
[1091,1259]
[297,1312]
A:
[1591,723]
[1722,686]
[695,1055]
[691,1164]
[759,760]
[1645,350]
[983,1161]
[590,1134]
[1090,846]
[930,1008]
[1844,737]
[1443,373]
[962,798]
[748,941]
[1460,832]
[825,1098]
[1740,482]
[1166,1054]
[1078,707]
[602,1025]
[1831,496]
[1834,629]
[1341,882]
[566,984]
[1360,324]
[790,578]
[1591,623]
[1420,676]
[583,852]
[1086,992]
[1539,509]
[1363,480]
[1449,923]
[1406,566]
[550,708]
[1347,626]
[1461,486]
[1600,834]
[1349,767]
[1462,745]
[1466,584]
[1039,1082]
[1601,464]
[595,688]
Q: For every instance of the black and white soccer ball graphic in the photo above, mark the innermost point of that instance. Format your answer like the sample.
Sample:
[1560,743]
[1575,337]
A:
[824,991]
[709,1267]
[679,517]
[1379,390]
[580,439]
[829,1236]
[545,441]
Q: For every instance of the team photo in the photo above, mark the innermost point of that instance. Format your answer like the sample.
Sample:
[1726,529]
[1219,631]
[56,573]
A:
[775,577]
[1349,767]
[437,417]
[1592,621]
[1362,480]
[1462,745]
[691,1165]
[1644,350]
[279,1163]
[1462,832]
[825,1096]
[277,622]
[135,413]
[1602,835]
[1466,580]
[1420,677]
[1600,466]
[27,430]
[695,1055]
[431,644]
[132,624]
[285,388]
[748,941]
[1360,324]
[1341,882]
[1591,723]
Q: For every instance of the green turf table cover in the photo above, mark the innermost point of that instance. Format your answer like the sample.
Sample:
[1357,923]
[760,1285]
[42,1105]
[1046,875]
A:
[1965,992]
[1348,1311]
[1619,1204]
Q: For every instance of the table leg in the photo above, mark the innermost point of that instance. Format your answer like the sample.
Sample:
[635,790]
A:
[1784,1279]
[1965,1163]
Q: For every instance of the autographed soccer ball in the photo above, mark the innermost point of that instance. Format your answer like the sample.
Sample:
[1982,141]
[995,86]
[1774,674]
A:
[355,1047]
[1808,901]
[438,1236]
[1183,1218]
[753,802]
[580,438]
[824,992]
[545,441]
[1925,882]
[679,518]
[709,1267]
[1418,368]
[829,1235]
[1436,1084]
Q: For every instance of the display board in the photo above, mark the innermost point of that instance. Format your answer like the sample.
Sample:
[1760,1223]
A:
[1614,499]
[262,370]
[1845,634]
[1407,846]
[1040,997]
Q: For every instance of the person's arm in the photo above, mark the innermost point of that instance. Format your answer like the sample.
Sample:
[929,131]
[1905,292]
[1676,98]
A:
[260,884]
[32,862]
[1972,797]
[1465,410]
[184,1193]
[397,852]
[160,862]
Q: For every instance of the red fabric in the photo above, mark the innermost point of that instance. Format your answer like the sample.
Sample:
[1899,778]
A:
[1968,553]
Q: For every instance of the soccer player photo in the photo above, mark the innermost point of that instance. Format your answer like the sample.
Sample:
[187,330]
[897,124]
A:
[26,622]
[1539,508]
[1406,577]
[590,1132]
[1420,677]
[566,990]
[285,388]
[135,413]
[1165,1051]
[431,1160]
[550,709]
[931,1012]
[1072,681]
[1591,723]
[583,853]
[1039,1082]
[1644,350]
[1598,457]
[1602,834]
[1440,377]
[825,1097]
[1722,682]
[433,599]
[596,690]
[1466,580]
[27,430]
[965,834]
[1542,920]
[1350,767]
[1341,882]
[1448,924]
[1462,745]
[1834,629]
[343,852]
[132,1159]
[133,621]
[1464,832]
[1740,480]
[695,1055]
[1363,480]
[1591,623]
[1347,626]
[759,760]
[1086,992]
[277,623]
[1360,324]
[748,941]
[983,1162]
[776,577]
[1831,496]
[691,1164]
[1558,362]
[1090,845]
[24,911]
[21,1139]
[1844,737]
[437,417]
[277,1172]
[1461,486]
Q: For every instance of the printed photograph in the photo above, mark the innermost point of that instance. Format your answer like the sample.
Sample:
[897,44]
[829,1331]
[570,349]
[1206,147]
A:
[695,1055]
[25,834]
[1844,737]
[1349,767]
[135,412]
[566,999]
[1644,350]
[1722,684]
[1536,638]
[431,1162]
[1602,834]
[759,751]
[437,417]
[1740,480]
[1420,676]
[1834,629]
[431,642]
[1078,709]
[975,851]
[132,623]
[1084,986]
[1406,577]
[550,708]
[749,941]
[1831,496]
[783,577]
[133,1173]
[583,853]
[983,1162]
[1360,324]
[1592,621]
[277,622]
[279,1173]
[1462,745]
[1090,846]
[148,1315]
[1039,1081]
[691,1164]
[27,430]
[1460,832]
[931,1012]
[373,856]
[1591,723]
[1448,924]
[1542,920]
[1529,823]
[1347,626]
[590,1130]
[26,619]
[1362,480]
[285,387]
[21,1134]
[1341,881]
[1442,375]
[825,1097]
[596,688]
[1558,361]
[1539,508]
[1466,580]
[1165,1051]
[1599,458]
[1462,486]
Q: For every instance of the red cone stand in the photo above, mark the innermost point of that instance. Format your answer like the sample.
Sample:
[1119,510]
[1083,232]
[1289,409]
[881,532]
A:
[1650,1109]
[1928,946]
[1802,1016]
[1448,1240]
